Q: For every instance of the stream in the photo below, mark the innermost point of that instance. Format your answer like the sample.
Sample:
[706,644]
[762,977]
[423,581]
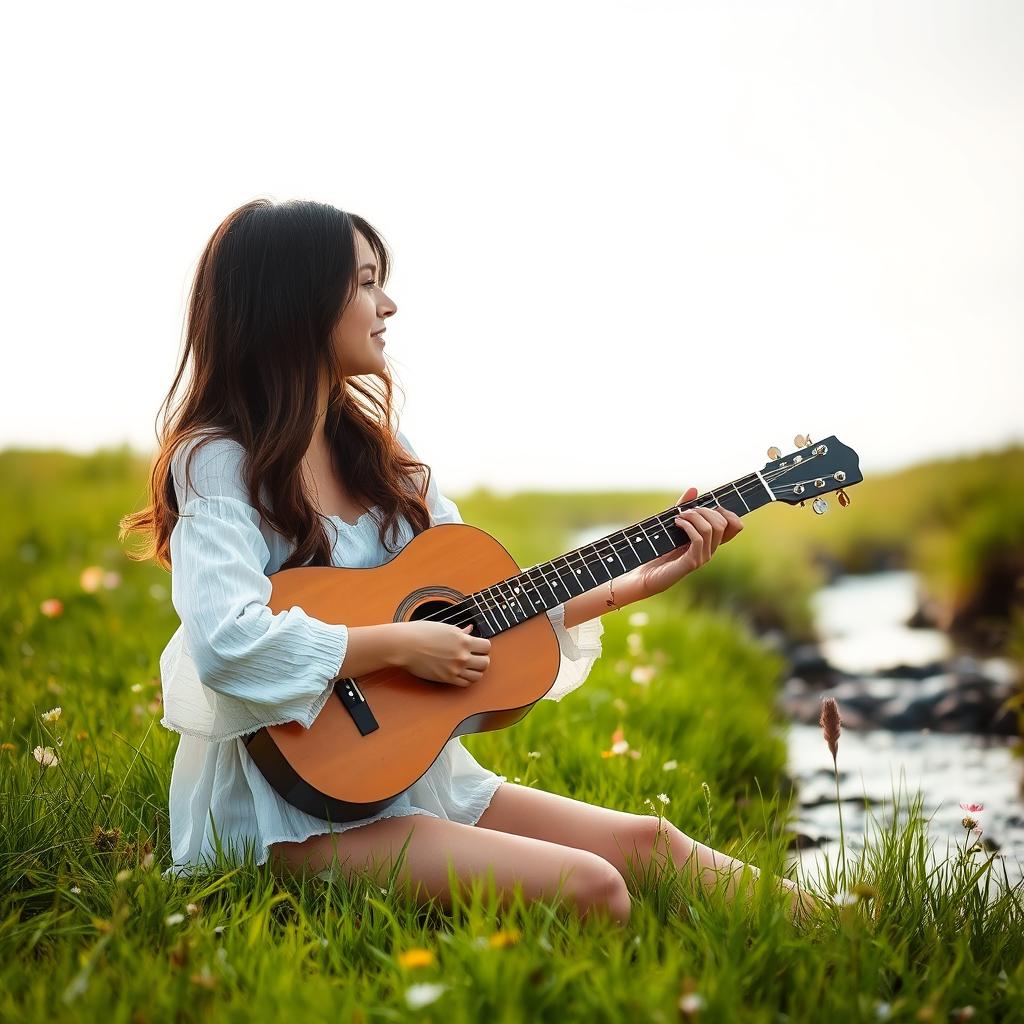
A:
[884,671]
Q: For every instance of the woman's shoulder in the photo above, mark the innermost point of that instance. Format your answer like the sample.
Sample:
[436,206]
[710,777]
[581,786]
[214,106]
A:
[209,465]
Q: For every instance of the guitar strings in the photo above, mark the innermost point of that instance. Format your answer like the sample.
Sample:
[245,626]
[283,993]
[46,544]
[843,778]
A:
[612,547]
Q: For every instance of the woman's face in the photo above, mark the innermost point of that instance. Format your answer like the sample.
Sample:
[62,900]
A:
[357,338]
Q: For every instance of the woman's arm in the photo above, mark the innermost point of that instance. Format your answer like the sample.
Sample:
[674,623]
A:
[628,589]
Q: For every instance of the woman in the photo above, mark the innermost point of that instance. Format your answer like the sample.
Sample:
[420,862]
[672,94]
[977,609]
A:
[285,430]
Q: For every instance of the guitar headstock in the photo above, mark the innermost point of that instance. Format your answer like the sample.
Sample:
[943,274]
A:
[813,470]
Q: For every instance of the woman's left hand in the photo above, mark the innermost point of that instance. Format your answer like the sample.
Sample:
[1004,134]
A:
[707,528]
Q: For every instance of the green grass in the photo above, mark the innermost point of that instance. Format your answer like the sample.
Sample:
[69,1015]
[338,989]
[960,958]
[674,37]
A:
[939,933]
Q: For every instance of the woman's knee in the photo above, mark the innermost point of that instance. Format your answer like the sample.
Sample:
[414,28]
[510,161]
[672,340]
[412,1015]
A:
[596,886]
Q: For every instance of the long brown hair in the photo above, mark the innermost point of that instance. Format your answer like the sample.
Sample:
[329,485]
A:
[271,283]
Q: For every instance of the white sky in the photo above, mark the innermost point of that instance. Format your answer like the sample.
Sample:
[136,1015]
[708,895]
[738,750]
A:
[635,243]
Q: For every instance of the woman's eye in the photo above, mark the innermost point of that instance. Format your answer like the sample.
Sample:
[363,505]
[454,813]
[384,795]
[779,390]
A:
[370,283]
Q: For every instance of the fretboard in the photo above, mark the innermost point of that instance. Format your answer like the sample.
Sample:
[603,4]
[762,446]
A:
[541,587]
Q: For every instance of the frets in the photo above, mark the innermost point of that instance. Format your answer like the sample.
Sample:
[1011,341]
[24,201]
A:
[549,584]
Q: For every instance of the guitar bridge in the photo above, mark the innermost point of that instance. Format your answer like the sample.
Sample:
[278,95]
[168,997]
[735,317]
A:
[355,704]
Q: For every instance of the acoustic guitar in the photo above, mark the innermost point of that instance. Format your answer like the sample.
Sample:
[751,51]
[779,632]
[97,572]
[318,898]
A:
[379,732]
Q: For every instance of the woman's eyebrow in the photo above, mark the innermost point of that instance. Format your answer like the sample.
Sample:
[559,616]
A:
[369,266]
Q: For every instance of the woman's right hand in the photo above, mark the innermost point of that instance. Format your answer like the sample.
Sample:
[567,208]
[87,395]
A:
[443,653]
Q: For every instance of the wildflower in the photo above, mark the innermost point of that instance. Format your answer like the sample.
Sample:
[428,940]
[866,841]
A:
[111,580]
[51,607]
[830,723]
[147,862]
[91,578]
[883,1011]
[81,735]
[417,996]
[619,744]
[504,937]
[45,756]
[75,889]
[969,823]
[416,958]
[864,891]
[8,746]
[639,619]
[620,705]
[691,1003]
[192,908]
[175,918]
[643,674]
[973,808]
[123,876]
[634,754]
[635,643]
[51,716]
[663,798]
[670,766]
[136,687]
[533,753]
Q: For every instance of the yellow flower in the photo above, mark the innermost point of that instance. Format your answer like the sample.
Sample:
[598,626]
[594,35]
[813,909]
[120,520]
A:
[8,746]
[91,578]
[416,958]
[505,937]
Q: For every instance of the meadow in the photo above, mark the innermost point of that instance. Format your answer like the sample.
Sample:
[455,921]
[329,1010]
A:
[89,928]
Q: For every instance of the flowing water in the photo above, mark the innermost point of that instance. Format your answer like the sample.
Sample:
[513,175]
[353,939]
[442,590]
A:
[861,623]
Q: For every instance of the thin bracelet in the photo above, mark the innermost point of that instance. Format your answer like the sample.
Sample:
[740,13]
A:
[611,601]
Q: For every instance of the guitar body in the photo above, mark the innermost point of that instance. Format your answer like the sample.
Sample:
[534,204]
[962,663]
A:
[336,772]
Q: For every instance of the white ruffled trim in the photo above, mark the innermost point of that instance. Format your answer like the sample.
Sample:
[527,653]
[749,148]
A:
[580,647]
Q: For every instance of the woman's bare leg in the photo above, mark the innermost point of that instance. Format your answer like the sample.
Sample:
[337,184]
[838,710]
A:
[586,879]
[618,835]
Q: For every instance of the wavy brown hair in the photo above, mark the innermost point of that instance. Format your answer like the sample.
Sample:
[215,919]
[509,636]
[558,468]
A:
[271,283]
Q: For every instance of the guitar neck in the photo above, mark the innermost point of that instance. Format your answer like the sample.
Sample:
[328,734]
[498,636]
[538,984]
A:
[549,584]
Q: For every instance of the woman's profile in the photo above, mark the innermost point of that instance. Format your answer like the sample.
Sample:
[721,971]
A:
[282,451]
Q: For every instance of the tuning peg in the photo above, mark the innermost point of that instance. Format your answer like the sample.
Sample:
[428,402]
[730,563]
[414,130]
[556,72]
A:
[820,505]
[844,498]
[801,441]
[774,453]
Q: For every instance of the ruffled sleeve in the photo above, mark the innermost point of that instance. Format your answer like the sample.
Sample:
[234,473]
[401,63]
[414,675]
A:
[580,645]
[234,665]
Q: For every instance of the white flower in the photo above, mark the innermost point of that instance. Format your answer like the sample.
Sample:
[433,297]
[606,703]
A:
[670,766]
[882,1010]
[75,889]
[423,994]
[91,579]
[691,1002]
[643,674]
[175,918]
[45,756]
[635,643]
[663,798]
[534,754]
[136,687]
[147,862]
[639,619]
[620,747]
[192,908]
[50,716]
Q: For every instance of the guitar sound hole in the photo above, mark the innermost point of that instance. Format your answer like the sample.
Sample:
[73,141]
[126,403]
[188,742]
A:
[441,611]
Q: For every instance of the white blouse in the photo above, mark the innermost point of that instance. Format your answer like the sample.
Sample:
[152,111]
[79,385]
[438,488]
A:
[233,666]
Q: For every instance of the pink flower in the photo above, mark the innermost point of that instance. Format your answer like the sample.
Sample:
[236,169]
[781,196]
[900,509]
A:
[973,808]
